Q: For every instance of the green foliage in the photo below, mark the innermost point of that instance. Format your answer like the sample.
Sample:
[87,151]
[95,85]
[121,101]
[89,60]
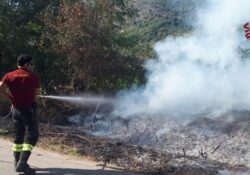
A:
[94,45]
[20,30]
[161,19]
[91,48]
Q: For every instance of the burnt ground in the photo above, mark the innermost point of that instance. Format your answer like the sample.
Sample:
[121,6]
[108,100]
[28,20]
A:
[202,146]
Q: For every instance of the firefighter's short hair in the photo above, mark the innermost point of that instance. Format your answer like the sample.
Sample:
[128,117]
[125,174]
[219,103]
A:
[23,59]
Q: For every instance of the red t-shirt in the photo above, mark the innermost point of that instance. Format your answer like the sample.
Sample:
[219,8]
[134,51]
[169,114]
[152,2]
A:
[22,84]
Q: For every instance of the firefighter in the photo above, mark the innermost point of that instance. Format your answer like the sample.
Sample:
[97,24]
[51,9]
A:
[21,87]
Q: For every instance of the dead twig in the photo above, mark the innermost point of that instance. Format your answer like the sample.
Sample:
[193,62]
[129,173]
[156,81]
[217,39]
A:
[216,148]
[68,134]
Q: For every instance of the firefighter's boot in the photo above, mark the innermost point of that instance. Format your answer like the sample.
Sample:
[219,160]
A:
[22,165]
[16,158]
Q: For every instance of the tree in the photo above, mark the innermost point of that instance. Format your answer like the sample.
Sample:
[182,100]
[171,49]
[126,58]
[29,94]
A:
[88,32]
[20,30]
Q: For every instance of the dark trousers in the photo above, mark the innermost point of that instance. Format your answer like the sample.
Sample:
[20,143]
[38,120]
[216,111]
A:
[25,126]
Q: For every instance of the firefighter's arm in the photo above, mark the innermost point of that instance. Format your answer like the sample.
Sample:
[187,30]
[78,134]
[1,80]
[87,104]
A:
[4,91]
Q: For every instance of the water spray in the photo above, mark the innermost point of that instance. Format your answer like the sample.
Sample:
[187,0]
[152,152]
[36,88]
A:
[81,100]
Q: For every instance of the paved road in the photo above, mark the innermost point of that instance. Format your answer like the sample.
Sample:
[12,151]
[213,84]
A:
[48,163]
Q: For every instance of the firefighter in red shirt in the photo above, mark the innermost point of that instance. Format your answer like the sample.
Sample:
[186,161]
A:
[21,87]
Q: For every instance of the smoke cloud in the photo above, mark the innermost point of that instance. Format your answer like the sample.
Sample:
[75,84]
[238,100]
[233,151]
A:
[206,70]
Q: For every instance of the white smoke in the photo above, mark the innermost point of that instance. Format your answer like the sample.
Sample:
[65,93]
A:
[201,71]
